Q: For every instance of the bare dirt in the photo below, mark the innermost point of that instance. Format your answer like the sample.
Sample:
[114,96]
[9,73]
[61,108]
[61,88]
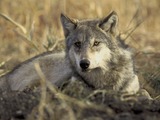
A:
[81,102]
[76,101]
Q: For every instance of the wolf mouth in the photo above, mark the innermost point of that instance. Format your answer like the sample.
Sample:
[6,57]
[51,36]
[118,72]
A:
[90,70]
[85,70]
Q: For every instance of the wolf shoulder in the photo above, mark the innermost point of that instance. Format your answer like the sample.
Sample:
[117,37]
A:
[54,66]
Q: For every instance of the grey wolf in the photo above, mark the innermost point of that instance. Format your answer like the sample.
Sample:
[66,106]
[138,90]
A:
[94,52]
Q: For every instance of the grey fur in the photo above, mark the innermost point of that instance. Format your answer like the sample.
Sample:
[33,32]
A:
[97,41]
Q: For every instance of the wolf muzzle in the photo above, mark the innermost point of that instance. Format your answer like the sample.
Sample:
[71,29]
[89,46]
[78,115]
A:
[84,64]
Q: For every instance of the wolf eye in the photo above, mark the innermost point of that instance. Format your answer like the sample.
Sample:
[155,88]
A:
[96,43]
[77,44]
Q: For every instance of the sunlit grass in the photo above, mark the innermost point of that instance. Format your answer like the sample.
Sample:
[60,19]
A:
[30,27]
[45,16]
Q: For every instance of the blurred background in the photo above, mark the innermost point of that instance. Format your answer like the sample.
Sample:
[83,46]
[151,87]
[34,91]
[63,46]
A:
[30,27]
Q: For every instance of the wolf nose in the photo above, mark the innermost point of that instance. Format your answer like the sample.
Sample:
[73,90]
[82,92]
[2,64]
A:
[84,64]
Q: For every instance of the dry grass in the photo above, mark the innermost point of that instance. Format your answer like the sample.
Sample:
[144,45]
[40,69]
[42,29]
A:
[31,27]
[39,25]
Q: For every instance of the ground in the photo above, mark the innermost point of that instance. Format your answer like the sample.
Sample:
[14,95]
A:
[81,102]
[34,27]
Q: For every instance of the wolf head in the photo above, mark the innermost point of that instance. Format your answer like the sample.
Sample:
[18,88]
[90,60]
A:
[89,42]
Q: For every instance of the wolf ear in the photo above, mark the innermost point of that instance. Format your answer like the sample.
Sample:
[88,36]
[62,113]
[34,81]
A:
[68,24]
[110,23]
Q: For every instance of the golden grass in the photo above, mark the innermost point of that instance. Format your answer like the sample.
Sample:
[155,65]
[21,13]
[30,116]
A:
[39,24]
[66,102]
[33,26]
